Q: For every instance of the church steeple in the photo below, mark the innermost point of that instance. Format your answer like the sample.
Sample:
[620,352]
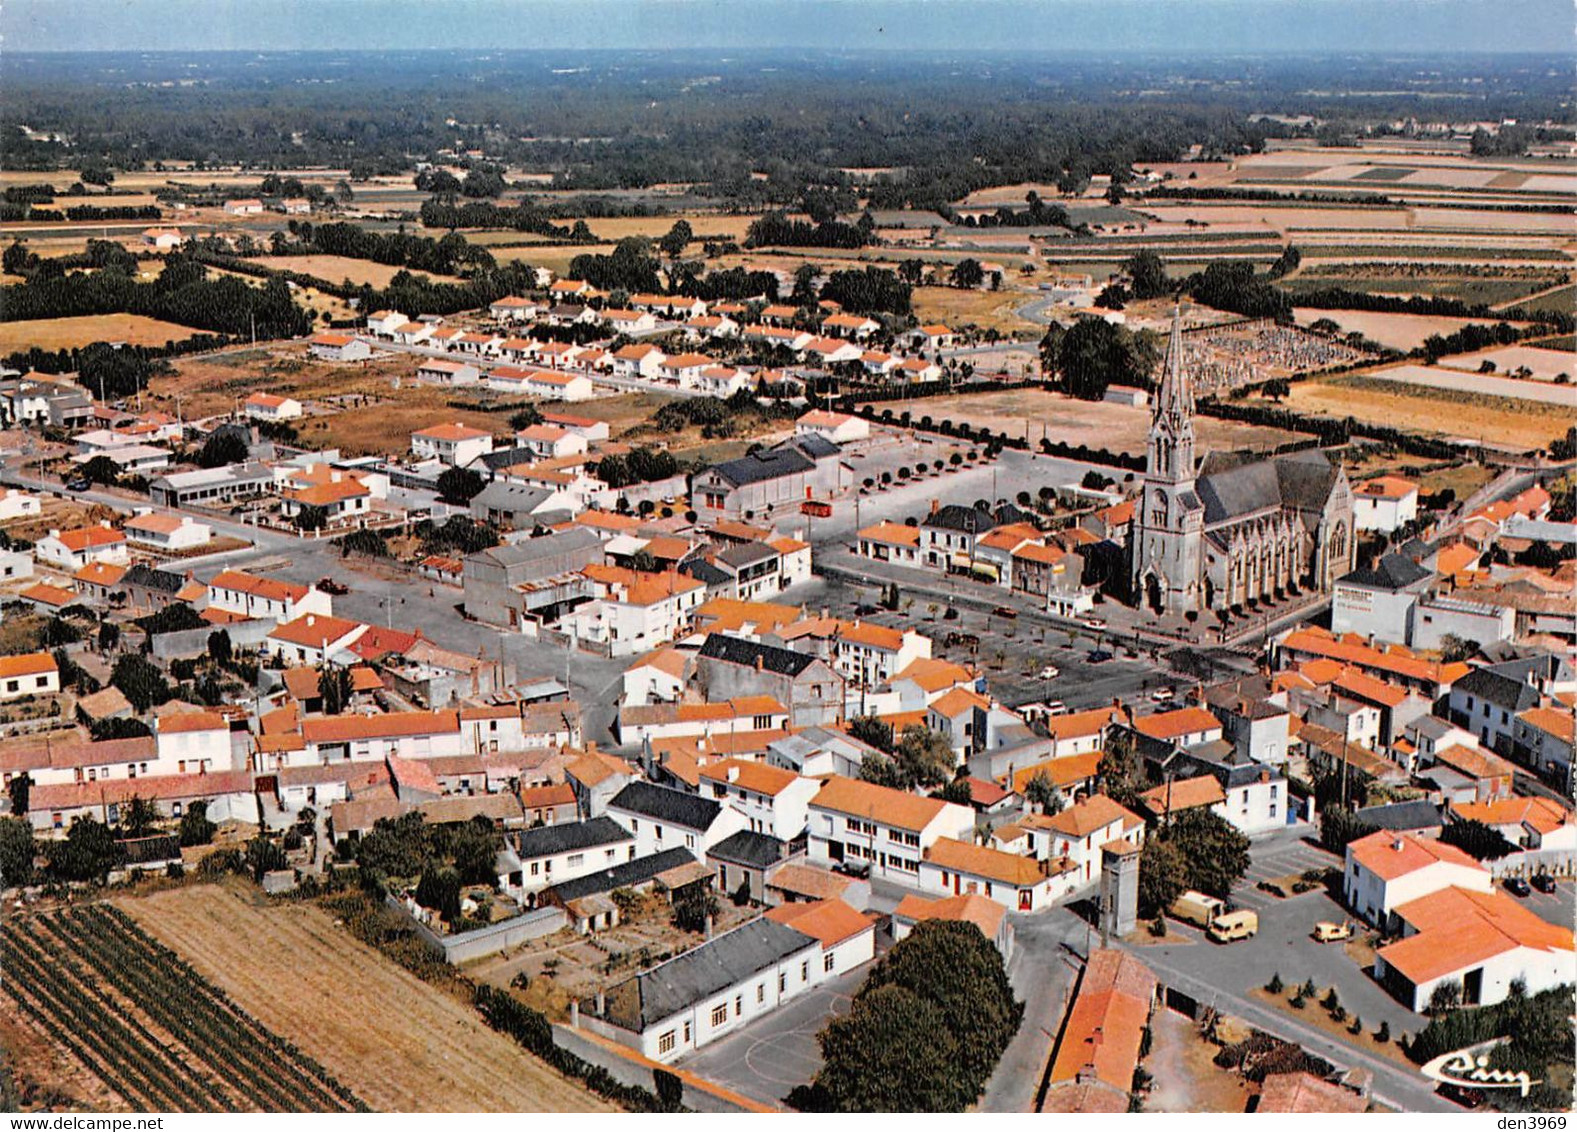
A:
[1171,448]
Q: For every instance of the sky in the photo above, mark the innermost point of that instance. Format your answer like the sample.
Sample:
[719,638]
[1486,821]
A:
[1168,26]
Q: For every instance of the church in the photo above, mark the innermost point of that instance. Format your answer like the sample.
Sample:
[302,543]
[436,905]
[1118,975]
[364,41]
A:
[1212,534]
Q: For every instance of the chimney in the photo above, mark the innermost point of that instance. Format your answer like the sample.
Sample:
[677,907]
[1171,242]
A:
[758,662]
[311,620]
[936,505]
[1396,843]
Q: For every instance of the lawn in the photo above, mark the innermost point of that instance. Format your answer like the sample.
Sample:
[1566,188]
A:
[69,333]
[399,1043]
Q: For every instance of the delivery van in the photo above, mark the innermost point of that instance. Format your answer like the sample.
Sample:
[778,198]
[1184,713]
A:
[1198,909]
[1229,926]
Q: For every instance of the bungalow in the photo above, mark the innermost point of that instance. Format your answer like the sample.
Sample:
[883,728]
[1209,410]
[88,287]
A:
[891,542]
[312,638]
[271,407]
[559,386]
[710,326]
[855,326]
[828,351]
[31,674]
[413,333]
[162,239]
[336,495]
[444,371]
[969,908]
[914,371]
[628,321]
[721,382]
[454,444]
[933,336]
[795,340]
[168,533]
[669,306]
[246,206]
[840,428]
[338,348]
[250,596]
[71,550]
[566,288]
[16,504]
[513,308]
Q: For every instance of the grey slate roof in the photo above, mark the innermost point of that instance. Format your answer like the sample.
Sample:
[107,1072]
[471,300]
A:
[743,554]
[1401,816]
[690,979]
[783,662]
[767,464]
[956,517]
[623,875]
[1392,572]
[747,847]
[547,546]
[1499,689]
[566,837]
[816,446]
[150,579]
[676,807]
[505,458]
[502,496]
[1229,489]
[703,571]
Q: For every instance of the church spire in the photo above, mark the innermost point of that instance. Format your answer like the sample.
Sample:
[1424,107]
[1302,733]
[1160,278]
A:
[1176,396]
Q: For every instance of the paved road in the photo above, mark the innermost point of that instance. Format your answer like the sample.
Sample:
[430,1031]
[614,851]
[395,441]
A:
[767,1058]
[1048,953]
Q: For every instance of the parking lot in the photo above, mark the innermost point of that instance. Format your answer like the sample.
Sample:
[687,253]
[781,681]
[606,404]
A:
[767,1058]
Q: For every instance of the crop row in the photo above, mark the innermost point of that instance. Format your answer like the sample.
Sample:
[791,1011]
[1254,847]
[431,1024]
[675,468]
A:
[264,1072]
[116,1048]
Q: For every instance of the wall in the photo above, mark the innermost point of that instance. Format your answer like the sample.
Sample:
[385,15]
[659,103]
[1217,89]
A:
[485,941]
[194,642]
[630,1068]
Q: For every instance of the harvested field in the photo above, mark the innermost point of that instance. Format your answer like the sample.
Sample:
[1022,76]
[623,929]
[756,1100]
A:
[1544,364]
[1398,331]
[1482,384]
[1119,428]
[335,269]
[69,333]
[704,225]
[1520,425]
[986,309]
[396,1042]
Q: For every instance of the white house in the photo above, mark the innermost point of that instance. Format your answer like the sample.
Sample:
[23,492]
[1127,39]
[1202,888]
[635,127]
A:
[840,428]
[376,738]
[71,550]
[774,801]
[513,308]
[635,612]
[860,822]
[551,854]
[546,441]
[628,322]
[954,867]
[248,206]
[16,504]
[32,674]
[1386,870]
[454,444]
[168,532]
[447,371]
[271,407]
[1480,941]
[660,818]
[312,638]
[1384,504]
[385,323]
[251,596]
[162,239]
[1078,832]
[338,348]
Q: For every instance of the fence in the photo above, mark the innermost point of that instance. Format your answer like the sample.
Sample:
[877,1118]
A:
[465,946]
[630,1068]
[194,642]
[1531,862]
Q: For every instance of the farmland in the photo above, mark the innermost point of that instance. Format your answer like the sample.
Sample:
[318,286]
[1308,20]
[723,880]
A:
[1120,428]
[69,333]
[399,1043]
[335,269]
[1482,385]
[1520,425]
[986,309]
[150,1028]
[1398,331]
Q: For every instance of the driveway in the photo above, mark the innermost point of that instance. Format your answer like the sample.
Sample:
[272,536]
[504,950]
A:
[767,1058]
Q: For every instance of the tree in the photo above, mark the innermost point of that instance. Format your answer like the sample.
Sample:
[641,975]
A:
[1093,354]
[196,829]
[957,791]
[17,850]
[20,789]
[676,239]
[1040,791]
[1214,852]
[335,687]
[459,486]
[943,987]
[263,855]
[220,650]
[525,417]
[139,681]
[88,852]
[138,817]
[1454,649]
[923,758]
[1162,876]
[1446,997]
[1146,275]
[222,449]
[1476,840]
[439,889]
[1339,827]
[1121,771]
[875,732]
[100,469]
[967,273]
[696,904]
[1278,389]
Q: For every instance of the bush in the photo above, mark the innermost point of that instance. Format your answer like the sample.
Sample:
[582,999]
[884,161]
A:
[1383,1034]
[1297,1001]
[1275,985]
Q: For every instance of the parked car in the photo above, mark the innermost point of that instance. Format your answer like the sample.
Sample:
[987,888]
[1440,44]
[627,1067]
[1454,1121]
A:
[81,483]
[1544,883]
[1163,695]
[1327,932]
[1004,611]
[1462,1095]
[1050,672]
[864,609]
[1517,886]
[1094,623]
[329,586]
[852,869]
[1098,656]
[1056,707]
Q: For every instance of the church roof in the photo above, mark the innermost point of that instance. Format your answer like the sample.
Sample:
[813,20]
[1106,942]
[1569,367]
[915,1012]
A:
[1301,481]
